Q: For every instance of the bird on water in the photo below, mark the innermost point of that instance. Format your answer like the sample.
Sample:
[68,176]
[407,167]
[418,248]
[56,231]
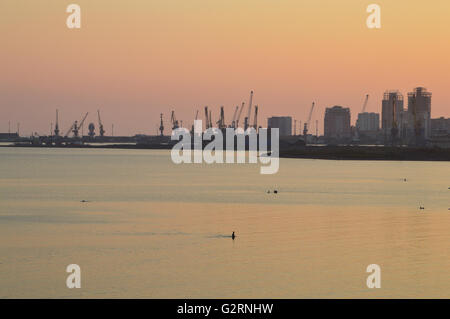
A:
[233,236]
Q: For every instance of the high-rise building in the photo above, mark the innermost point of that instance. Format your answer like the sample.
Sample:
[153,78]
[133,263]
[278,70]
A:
[368,122]
[440,126]
[283,123]
[391,117]
[419,114]
[337,124]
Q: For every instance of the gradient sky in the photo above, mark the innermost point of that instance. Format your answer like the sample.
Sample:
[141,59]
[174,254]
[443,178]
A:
[136,59]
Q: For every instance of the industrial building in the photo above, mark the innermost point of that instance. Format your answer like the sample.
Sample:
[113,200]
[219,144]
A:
[440,127]
[283,123]
[367,128]
[419,115]
[8,136]
[337,124]
[411,126]
[368,122]
[392,115]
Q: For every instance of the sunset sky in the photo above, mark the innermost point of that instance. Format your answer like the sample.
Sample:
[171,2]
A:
[136,59]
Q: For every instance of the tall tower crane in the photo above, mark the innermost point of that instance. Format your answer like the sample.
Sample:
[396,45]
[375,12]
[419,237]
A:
[76,127]
[247,119]
[306,125]
[206,118]
[196,117]
[100,125]
[233,121]
[70,129]
[210,120]
[221,121]
[366,100]
[255,118]
[239,115]
[174,121]
[56,125]
[161,126]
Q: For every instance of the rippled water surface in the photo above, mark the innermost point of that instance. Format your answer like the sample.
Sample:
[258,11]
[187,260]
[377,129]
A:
[153,229]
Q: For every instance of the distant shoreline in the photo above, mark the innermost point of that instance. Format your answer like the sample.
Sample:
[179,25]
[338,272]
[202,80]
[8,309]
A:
[108,146]
[360,153]
[370,153]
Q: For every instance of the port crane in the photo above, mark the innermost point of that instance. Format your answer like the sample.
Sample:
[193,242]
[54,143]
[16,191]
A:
[221,122]
[161,126]
[239,115]
[255,118]
[56,125]
[206,118]
[68,132]
[233,122]
[196,117]
[100,125]
[306,125]
[366,100]
[210,120]
[174,121]
[75,128]
[247,119]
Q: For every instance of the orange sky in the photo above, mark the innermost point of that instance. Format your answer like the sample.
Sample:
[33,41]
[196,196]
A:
[136,59]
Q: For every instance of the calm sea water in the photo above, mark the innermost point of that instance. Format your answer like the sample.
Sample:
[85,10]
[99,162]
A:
[153,229]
